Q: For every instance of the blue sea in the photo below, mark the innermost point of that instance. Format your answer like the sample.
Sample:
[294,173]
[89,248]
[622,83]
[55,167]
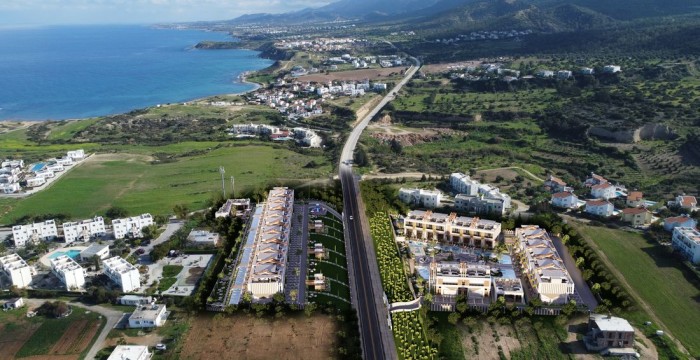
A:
[67,72]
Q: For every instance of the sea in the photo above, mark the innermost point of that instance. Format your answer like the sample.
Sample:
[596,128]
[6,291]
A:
[68,72]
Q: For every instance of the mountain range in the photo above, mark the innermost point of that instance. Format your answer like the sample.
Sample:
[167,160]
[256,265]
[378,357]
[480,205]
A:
[438,15]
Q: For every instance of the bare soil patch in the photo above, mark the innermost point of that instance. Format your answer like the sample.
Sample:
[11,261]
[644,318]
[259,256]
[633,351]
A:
[440,68]
[354,75]
[76,338]
[151,339]
[247,337]
[13,337]
[488,340]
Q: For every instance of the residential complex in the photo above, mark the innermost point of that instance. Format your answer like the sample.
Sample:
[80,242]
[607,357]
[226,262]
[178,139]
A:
[123,273]
[476,197]
[69,272]
[148,316]
[687,241]
[33,233]
[266,270]
[83,230]
[234,207]
[418,197]
[510,289]
[17,270]
[605,332]
[543,266]
[455,278]
[131,227]
[426,225]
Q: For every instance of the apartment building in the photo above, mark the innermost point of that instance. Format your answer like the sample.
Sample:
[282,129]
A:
[455,278]
[419,197]
[687,242]
[33,233]
[84,230]
[510,289]
[17,270]
[269,257]
[131,227]
[69,272]
[475,197]
[427,226]
[122,273]
[543,266]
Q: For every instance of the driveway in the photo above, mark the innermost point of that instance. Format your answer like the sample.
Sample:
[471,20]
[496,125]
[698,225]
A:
[170,229]
[582,289]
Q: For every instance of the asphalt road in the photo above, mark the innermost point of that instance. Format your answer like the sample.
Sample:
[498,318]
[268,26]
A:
[376,336]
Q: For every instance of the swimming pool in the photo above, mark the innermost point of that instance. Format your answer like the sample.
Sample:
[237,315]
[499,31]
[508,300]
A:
[70,253]
[505,260]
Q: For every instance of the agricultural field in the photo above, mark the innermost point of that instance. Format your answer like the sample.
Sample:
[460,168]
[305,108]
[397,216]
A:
[665,288]
[408,327]
[247,337]
[47,338]
[134,182]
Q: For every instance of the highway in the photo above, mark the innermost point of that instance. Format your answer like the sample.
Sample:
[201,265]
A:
[366,288]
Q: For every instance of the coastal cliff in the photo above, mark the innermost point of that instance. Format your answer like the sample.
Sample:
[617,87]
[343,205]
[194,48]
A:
[216,45]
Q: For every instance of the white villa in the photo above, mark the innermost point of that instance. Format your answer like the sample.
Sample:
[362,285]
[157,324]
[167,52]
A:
[543,265]
[148,316]
[34,233]
[76,155]
[426,225]
[565,200]
[419,197]
[603,191]
[599,208]
[69,272]
[131,227]
[17,270]
[84,230]
[687,241]
[123,273]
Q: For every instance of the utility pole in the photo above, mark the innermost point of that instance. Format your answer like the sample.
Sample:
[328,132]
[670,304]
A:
[223,181]
[233,189]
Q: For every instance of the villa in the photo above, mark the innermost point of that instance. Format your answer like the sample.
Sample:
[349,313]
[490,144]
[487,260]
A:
[636,216]
[679,221]
[599,208]
[148,316]
[565,200]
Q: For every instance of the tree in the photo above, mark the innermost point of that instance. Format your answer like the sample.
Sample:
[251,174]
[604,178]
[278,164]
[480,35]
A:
[453,318]
[116,212]
[96,262]
[278,298]
[580,262]
[181,211]
[309,309]
[361,157]
[18,292]
[150,232]
[3,248]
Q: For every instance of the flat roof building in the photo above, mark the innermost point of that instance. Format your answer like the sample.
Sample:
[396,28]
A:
[69,272]
[426,225]
[455,278]
[17,270]
[234,207]
[123,273]
[33,233]
[131,227]
[510,289]
[101,251]
[687,242]
[83,230]
[419,197]
[130,352]
[605,331]
[543,266]
[203,237]
[148,316]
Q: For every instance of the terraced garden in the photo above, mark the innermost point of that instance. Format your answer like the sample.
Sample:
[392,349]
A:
[408,327]
[333,267]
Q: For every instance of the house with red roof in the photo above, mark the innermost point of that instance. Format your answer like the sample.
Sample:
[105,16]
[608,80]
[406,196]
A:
[679,221]
[635,199]
[636,216]
[565,200]
[599,208]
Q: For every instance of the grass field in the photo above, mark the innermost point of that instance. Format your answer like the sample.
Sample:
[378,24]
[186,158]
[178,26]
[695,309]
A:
[660,280]
[132,182]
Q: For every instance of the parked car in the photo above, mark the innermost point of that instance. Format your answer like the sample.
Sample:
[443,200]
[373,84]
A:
[140,251]
[161,347]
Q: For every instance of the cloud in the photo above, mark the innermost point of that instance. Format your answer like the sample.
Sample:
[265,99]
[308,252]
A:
[139,11]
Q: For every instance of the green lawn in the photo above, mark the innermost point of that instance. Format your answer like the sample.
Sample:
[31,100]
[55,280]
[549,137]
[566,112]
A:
[166,282]
[132,182]
[171,270]
[662,281]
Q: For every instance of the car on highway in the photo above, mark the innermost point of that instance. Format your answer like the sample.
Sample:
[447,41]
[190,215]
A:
[351,218]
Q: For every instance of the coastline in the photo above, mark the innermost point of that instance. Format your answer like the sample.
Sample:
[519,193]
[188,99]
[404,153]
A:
[13,124]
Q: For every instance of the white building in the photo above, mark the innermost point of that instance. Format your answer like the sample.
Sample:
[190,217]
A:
[476,197]
[599,208]
[130,352]
[510,289]
[76,155]
[603,191]
[84,230]
[17,270]
[33,233]
[687,241]
[543,266]
[35,181]
[307,137]
[123,273]
[235,207]
[611,69]
[148,316]
[426,198]
[427,226]
[454,278]
[101,251]
[69,272]
[685,202]
[203,237]
[565,200]
[564,74]
[10,188]
[131,227]
[555,184]
[135,300]
[269,258]
[587,71]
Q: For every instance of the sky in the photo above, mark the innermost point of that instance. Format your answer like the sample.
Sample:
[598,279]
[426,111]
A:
[69,12]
